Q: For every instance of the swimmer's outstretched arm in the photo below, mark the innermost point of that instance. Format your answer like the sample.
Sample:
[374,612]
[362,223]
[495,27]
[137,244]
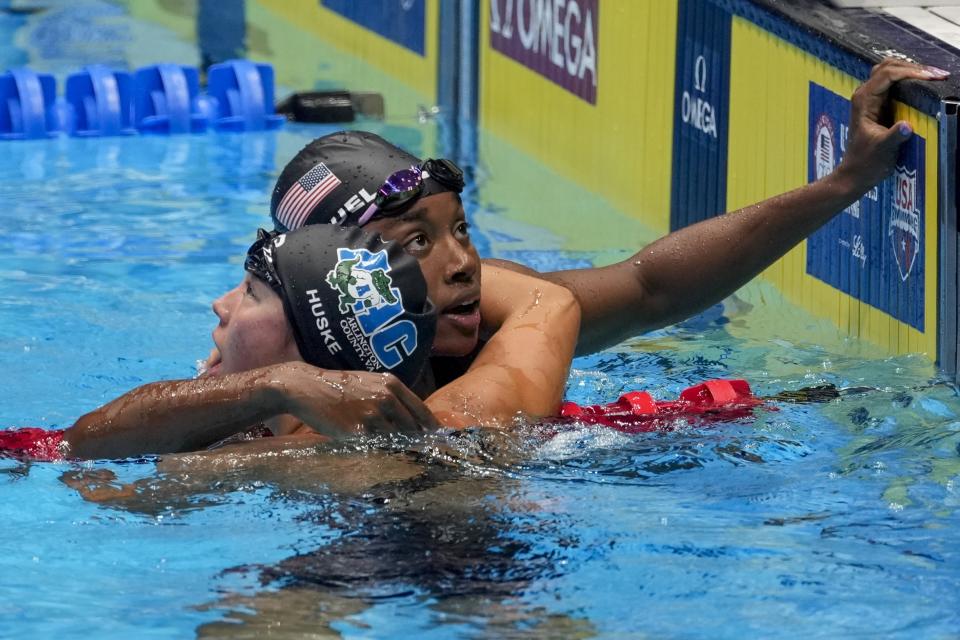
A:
[523,368]
[188,415]
[698,266]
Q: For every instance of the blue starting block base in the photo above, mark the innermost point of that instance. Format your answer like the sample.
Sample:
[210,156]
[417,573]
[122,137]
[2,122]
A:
[159,99]
[242,95]
[28,108]
[166,100]
[100,102]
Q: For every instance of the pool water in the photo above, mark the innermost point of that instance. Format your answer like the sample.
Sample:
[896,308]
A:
[801,520]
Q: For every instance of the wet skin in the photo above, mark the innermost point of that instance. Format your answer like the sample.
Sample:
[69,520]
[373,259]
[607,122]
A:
[253,330]
[436,233]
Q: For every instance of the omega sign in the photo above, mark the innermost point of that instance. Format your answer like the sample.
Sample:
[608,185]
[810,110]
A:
[555,38]
[695,110]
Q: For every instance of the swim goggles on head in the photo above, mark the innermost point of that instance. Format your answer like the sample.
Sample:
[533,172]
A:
[406,185]
[259,260]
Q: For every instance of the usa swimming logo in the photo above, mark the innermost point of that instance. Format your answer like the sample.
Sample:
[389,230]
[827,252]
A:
[372,305]
[823,146]
[904,226]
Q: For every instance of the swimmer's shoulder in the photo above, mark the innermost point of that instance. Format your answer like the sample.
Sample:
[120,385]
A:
[446,369]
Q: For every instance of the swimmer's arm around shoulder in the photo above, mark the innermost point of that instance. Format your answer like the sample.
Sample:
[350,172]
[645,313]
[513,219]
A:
[523,368]
[173,416]
[187,415]
[340,403]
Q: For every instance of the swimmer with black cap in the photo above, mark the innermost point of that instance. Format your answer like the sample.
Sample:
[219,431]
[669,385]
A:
[369,182]
[357,179]
[317,311]
[326,336]
[669,280]
[352,301]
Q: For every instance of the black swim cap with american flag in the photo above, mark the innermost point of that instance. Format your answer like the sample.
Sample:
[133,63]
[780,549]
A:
[334,179]
[305,194]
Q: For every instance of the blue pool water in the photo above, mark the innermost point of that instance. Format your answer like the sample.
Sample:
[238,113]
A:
[804,520]
[811,520]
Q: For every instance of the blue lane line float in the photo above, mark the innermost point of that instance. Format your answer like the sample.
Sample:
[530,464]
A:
[101,102]
[241,92]
[167,100]
[28,108]
[159,99]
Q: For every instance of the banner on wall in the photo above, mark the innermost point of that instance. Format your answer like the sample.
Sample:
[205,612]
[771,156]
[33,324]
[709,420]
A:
[698,184]
[872,251]
[400,21]
[557,39]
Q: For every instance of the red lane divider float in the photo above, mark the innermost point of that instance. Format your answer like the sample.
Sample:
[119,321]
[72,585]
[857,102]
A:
[31,443]
[638,412]
[634,412]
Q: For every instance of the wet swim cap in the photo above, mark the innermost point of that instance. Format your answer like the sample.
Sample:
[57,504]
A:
[354,302]
[335,178]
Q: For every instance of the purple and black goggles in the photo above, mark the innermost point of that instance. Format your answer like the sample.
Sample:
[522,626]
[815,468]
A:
[403,187]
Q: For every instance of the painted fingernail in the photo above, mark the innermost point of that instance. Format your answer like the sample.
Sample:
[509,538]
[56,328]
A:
[905,130]
[936,72]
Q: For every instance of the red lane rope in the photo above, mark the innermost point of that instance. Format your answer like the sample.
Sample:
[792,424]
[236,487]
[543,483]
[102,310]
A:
[31,443]
[633,412]
[637,411]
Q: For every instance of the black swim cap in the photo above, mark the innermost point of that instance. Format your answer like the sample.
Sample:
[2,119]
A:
[354,302]
[335,178]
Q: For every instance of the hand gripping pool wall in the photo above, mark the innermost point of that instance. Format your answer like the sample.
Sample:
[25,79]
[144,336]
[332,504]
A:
[758,114]
[737,128]
[873,251]
[872,270]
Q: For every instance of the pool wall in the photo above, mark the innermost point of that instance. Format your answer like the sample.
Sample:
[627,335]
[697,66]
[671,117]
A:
[703,107]
[674,111]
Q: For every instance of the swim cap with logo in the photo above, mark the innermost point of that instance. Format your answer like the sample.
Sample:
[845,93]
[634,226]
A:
[354,302]
[334,179]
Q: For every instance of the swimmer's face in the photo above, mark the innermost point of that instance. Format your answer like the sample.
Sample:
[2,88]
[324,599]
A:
[436,233]
[253,330]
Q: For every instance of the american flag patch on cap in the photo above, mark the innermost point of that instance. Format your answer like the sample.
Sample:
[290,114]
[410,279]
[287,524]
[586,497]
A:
[304,195]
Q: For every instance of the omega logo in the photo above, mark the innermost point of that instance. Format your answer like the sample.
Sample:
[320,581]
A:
[700,74]
[697,112]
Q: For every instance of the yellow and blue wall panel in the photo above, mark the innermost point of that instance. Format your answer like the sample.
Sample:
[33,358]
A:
[375,37]
[583,86]
[642,117]
[387,46]
[872,270]
[698,107]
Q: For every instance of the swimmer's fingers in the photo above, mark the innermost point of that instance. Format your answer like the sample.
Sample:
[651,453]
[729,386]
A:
[212,359]
[869,100]
[389,416]
[97,485]
[891,70]
[423,418]
[338,403]
[399,411]
[874,142]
